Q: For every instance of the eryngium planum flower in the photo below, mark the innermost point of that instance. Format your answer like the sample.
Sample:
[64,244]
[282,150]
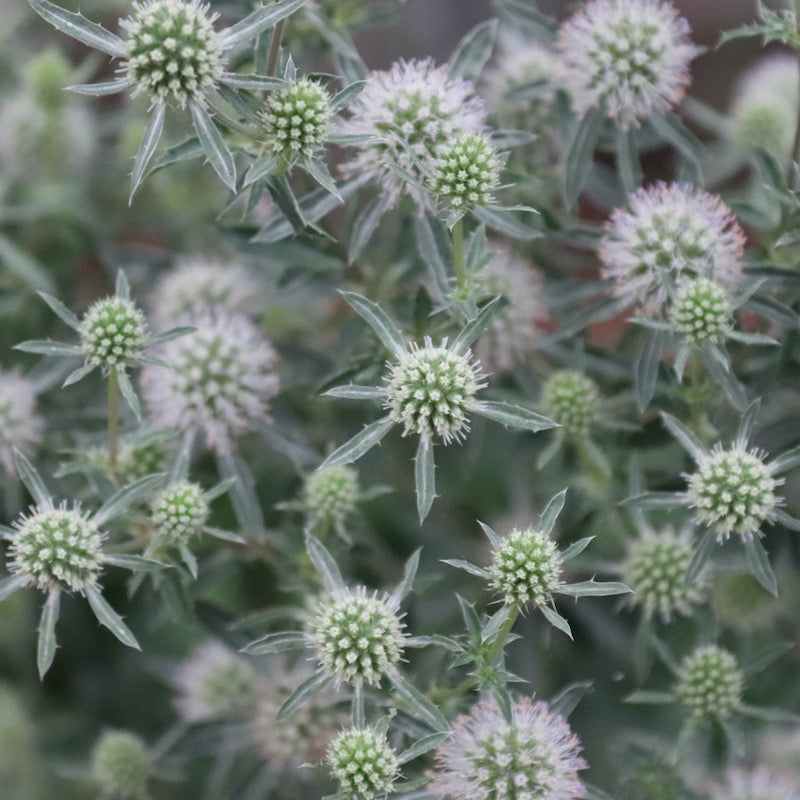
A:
[709,683]
[363,762]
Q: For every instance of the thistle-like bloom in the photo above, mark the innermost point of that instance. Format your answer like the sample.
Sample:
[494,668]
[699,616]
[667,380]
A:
[629,58]
[405,115]
[220,379]
[121,766]
[534,755]
[670,234]
[331,493]
[759,783]
[710,683]
[20,426]
[701,311]
[431,390]
[571,398]
[363,762]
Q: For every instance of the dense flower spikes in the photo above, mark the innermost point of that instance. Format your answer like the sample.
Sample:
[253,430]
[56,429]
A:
[532,755]
[670,233]
[121,766]
[180,511]
[571,399]
[220,380]
[732,491]
[357,639]
[113,333]
[465,172]
[710,683]
[701,311]
[430,390]
[629,58]
[57,548]
[526,568]
[331,492]
[295,119]
[363,762]
[405,115]
[20,425]
[173,51]
[655,569]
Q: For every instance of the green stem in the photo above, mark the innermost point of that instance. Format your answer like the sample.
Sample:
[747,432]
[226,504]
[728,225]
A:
[113,419]
[792,177]
[458,255]
[275,47]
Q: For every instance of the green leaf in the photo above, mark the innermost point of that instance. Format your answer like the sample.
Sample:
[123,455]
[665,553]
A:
[681,138]
[109,618]
[129,393]
[434,251]
[494,539]
[242,494]
[258,21]
[100,89]
[467,566]
[512,416]
[276,643]
[364,225]
[319,172]
[503,221]
[324,564]
[423,745]
[354,392]
[152,136]
[424,477]
[10,585]
[45,347]
[645,371]
[260,169]
[650,500]
[346,96]
[61,311]
[361,443]
[748,422]
[473,51]
[650,697]
[593,588]
[718,365]
[214,147]
[565,702]
[379,321]
[80,28]
[579,158]
[471,620]
[475,327]
[785,461]
[121,500]
[779,715]
[576,548]
[258,83]
[23,266]
[759,565]
[303,693]
[171,334]
[188,558]
[627,151]
[46,645]
[409,573]
[78,374]
[701,556]
[134,563]
[550,514]
[33,482]
[417,704]
[556,620]
[685,437]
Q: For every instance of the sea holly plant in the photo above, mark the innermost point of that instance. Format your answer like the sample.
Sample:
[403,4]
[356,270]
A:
[60,548]
[430,390]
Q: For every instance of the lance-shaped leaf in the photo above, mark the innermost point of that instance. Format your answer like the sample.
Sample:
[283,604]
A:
[347,95]
[361,443]
[258,83]
[409,573]
[100,89]
[576,548]
[129,393]
[579,158]
[417,704]
[134,563]
[379,321]
[319,172]
[473,51]
[649,500]
[46,645]
[303,693]
[494,539]
[467,566]
[172,333]
[44,347]
[260,20]
[759,564]
[109,618]
[687,439]
[276,643]
[551,512]
[152,136]
[556,620]
[33,481]
[354,392]
[324,564]
[512,416]
[475,327]
[80,28]
[645,371]
[120,500]
[424,477]
[214,147]
[10,585]
[593,588]
[260,169]
[700,557]
[78,374]
[422,746]
[61,311]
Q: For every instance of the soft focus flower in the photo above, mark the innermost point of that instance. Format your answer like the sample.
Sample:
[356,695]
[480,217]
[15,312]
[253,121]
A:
[220,379]
[363,762]
[571,398]
[180,511]
[532,755]
[121,766]
[669,234]
[629,58]
[709,683]
[405,114]
[701,311]
[331,493]
[20,425]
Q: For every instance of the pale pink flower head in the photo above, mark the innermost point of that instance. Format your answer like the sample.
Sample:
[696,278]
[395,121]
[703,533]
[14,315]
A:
[535,755]
[629,58]
[20,425]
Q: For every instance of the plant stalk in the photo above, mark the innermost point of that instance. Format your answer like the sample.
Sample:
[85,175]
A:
[113,419]
[458,255]
[275,47]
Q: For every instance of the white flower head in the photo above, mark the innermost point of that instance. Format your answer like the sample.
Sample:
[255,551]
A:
[670,233]
[710,683]
[122,765]
[20,426]
[363,762]
[533,755]
[220,378]
[629,58]
[407,113]
[113,333]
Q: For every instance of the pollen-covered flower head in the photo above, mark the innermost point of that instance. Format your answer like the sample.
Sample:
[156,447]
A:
[571,398]
[733,491]
[331,492]
[113,333]
[180,511]
[466,171]
[710,683]
[57,548]
[629,58]
[533,755]
[701,311]
[669,234]
[121,766]
[173,51]
[357,638]
[526,568]
[20,425]
[408,112]
[295,119]
[431,390]
[655,569]
[363,762]
[220,378]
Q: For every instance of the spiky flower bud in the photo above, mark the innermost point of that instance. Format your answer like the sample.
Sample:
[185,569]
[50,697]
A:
[534,754]
[655,569]
[331,492]
[701,311]
[173,50]
[20,425]
[431,389]
[180,511]
[526,568]
[571,398]
[357,639]
[57,548]
[121,766]
[113,333]
[629,58]
[466,172]
[363,762]
[295,119]
[710,683]
[732,491]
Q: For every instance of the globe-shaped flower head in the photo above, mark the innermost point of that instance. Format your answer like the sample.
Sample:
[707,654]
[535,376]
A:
[405,115]
[113,333]
[20,425]
[121,766]
[571,398]
[710,683]
[357,638]
[629,58]
[173,51]
[331,492]
[363,762]
[534,755]
[670,234]
[295,119]
[180,511]
[701,311]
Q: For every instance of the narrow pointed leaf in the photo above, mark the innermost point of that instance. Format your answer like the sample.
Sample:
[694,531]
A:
[656,500]
[303,693]
[122,287]
[152,136]
[319,172]
[556,620]
[788,521]
[701,556]
[434,251]
[779,715]
[473,51]
[645,371]
[46,645]
[550,514]
[347,95]
[579,158]
[45,347]
[134,563]
[566,701]
[748,422]
[418,705]
[10,585]
[276,643]
[593,588]
[26,268]
[576,548]
[324,564]
[100,89]
[784,462]
[649,697]
[129,393]
[260,169]
[33,481]
[80,28]
[78,374]
[109,618]
[494,539]
[630,171]
[364,226]
[475,327]
[467,566]
[409,573]
[171,334]
[361,443]
[119,501]
[354,392]
[759,565]
[61,311]
[379,321]
[512,416]
[502,220]
[422,746]
[189,560]
[225,536]
[424,477]
[471,620]
[214,147]
[255,82]
[219,489]
[687,439]
[258,21]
